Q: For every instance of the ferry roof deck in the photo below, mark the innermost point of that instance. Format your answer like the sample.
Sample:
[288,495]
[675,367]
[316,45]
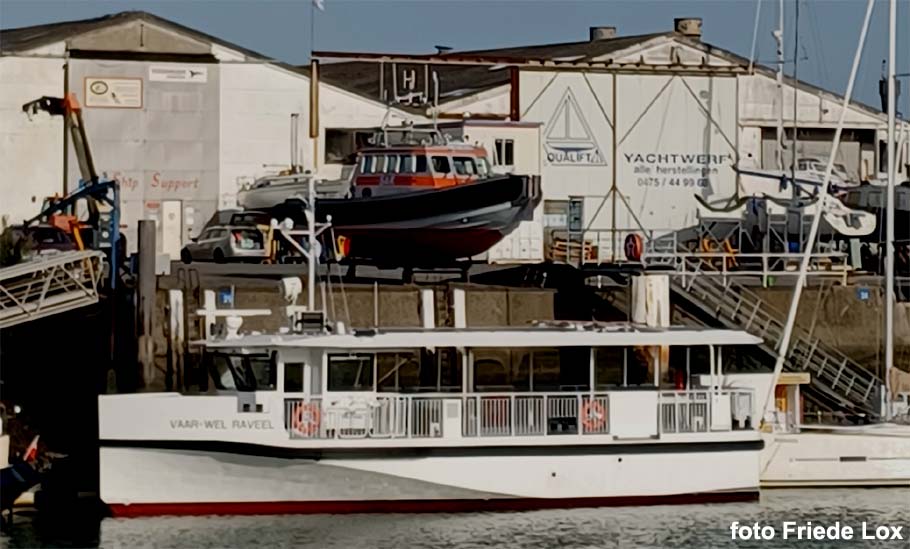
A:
[576,335]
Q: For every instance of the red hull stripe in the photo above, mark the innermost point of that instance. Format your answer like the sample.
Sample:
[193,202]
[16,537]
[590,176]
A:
[416,506]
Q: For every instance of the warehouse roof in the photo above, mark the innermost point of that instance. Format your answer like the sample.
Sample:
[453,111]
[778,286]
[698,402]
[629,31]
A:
[456,81]
[465,80]
[28,38]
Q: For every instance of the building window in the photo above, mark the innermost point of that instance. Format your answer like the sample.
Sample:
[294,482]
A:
[504,152]
[441,164]
[351,373]
[341,145]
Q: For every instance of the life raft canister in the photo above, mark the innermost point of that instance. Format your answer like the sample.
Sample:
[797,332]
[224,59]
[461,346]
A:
[305,418]
[633,247]
[593,415]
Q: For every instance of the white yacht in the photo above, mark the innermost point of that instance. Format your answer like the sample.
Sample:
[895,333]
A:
[436,419]
[823,450]
[804,451]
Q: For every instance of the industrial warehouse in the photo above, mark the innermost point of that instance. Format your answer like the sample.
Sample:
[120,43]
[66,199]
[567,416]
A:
[439,260]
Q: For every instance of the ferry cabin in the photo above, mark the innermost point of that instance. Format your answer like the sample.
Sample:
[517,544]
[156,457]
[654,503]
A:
[523,383]
[406,168]
[443,419]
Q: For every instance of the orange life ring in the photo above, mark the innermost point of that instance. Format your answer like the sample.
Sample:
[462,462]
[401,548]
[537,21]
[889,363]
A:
[593,415]
[633,247]
[305,418]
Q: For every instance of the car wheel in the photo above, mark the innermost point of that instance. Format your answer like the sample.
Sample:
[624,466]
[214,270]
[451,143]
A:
[186,256]
[218,256]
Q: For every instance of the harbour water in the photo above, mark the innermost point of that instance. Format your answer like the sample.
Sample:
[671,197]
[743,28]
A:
[697,526]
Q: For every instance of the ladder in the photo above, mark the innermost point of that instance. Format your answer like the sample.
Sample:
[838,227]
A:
[837,381]
[48,285]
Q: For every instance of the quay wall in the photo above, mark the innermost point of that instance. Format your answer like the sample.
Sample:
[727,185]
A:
[849,318]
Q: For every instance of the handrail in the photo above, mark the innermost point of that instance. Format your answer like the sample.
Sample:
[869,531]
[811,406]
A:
[576,413]
[746,309]
[48,285]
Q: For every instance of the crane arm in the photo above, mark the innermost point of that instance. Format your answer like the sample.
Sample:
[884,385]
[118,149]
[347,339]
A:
[69,108]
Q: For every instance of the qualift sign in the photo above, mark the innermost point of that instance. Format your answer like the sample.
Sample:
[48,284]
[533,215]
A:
[569,140]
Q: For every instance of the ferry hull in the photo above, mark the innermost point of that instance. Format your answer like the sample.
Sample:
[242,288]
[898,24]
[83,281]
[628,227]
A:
[138,481]
[839,458]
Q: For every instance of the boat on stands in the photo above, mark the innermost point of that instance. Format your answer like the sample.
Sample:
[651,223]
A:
[271,190]
[767,195]
[427,227]
[550,415]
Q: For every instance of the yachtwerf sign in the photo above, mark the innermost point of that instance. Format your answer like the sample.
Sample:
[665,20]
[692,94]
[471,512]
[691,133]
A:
[569,140]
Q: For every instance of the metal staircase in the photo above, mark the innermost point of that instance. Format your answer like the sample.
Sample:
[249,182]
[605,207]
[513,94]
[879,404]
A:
[837,381]
[49,285]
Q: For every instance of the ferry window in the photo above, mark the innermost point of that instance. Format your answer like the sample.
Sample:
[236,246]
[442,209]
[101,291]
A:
[609,366]
[293,377]
[449,370]
[545,370]
[243,373]
[395,371]
[441,164]
[465,165]
[421,166]
[504,152]
[501,370]
[351,373]
[263,372]
[222,374]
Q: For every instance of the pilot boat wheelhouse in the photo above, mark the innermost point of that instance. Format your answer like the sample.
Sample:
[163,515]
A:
[418,167]
[437,419]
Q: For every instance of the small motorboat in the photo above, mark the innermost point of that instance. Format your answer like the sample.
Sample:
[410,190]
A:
[272,190]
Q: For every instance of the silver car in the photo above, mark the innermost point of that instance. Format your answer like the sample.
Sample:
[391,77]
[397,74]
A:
[223,243]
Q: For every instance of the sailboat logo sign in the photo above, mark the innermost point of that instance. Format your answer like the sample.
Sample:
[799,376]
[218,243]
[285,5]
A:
[569,140]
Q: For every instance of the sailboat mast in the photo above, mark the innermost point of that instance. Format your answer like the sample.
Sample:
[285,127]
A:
[794,137]
[784,345]
[889,218]
[779,37]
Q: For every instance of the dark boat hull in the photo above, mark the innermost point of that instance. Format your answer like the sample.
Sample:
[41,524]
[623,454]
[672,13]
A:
[427,227]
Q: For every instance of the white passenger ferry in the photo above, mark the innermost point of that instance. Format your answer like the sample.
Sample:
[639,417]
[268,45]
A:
[438,419]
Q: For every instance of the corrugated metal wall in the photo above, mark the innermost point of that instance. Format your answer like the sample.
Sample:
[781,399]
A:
[165,150]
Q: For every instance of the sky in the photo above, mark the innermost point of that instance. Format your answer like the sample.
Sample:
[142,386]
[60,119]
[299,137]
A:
[280,29]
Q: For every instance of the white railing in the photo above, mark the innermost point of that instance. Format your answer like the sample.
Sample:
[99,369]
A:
[725,264]
[534,414]
[482,414]
[692,411]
